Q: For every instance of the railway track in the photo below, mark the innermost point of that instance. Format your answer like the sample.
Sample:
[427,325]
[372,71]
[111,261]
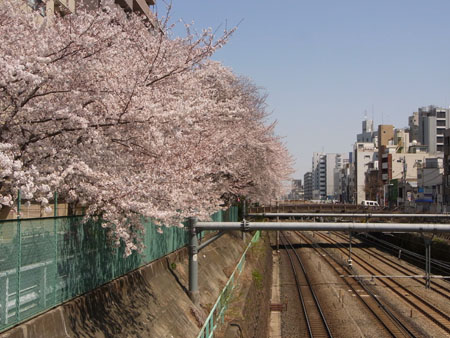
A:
[427,309]
[419,260]
[444,291]
[391,323]
[316,323]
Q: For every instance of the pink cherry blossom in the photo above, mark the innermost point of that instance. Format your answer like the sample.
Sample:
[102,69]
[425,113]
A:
[129,122]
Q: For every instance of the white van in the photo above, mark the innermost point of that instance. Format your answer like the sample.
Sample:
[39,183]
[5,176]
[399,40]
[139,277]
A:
[367,203]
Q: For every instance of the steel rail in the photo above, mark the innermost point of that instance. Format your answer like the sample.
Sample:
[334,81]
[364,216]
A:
[438,264]
[373,307]
[403,269]
[325,326]
[392,284]
[300,295]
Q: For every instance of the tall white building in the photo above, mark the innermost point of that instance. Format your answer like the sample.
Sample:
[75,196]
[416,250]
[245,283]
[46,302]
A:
[318,176]
[365,158]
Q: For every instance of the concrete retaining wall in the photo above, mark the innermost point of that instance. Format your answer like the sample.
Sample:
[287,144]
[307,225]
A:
[149,302]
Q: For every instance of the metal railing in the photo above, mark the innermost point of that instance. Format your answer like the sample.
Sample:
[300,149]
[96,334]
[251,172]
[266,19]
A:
[217,313]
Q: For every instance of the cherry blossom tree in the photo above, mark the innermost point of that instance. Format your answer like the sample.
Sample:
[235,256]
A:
[127,121]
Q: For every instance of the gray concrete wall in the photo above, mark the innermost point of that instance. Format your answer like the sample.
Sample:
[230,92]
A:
[149,302]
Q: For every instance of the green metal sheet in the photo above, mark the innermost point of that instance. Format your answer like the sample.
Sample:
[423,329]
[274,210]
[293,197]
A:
[63,257]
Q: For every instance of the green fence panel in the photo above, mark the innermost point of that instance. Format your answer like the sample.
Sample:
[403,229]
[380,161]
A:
[217,314]
[63,257]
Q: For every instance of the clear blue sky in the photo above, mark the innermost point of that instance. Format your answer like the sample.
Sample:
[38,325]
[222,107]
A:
[324,63]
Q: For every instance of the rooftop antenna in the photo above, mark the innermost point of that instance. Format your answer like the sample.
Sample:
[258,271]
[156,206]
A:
[373,118]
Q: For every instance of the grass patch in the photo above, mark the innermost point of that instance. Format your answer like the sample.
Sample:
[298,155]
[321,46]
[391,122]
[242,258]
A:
[257,279]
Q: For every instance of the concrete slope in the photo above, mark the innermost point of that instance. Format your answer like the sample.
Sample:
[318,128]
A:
[149,302]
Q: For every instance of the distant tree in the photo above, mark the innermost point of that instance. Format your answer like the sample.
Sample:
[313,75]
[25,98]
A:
[127,121]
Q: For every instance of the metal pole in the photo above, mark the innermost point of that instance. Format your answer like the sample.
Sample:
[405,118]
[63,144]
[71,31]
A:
[327,226]
[427,259]
[209,241]
[428,242]
[429,262]
[193,261]
[348,215]
[278,233]
[349,261]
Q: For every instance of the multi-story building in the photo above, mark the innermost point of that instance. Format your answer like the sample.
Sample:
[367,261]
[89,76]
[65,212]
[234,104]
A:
[385,141]
[365,157]
[308,185]
[413,124]
[61,7]
[319,176]
[368,134]
[446,176]
[430,185]
[399,173]
[432,123]
[345,180]
[401,140]
[296,192]
[325,171]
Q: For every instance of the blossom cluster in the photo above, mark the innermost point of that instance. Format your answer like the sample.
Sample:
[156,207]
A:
[128,121]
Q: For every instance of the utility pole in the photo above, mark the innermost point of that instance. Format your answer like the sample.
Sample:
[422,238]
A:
[405,167]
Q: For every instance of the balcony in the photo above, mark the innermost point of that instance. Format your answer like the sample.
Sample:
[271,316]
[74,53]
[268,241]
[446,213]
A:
[38,6]
[140,6]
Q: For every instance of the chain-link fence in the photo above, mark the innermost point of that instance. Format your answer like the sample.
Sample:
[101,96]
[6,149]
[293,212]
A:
[63,257]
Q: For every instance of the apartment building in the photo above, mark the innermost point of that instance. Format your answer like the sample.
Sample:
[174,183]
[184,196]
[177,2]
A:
[446,175]
[432,123]
[308,185]
[62,7]
[368,133]
[430,185]
[325,173]
[319,176]
[365,158]
[413,124]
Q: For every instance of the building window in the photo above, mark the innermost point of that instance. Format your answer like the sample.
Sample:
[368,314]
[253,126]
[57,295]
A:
[441,114]
[440,139]
[38,5]
[440,123]
[440,147]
